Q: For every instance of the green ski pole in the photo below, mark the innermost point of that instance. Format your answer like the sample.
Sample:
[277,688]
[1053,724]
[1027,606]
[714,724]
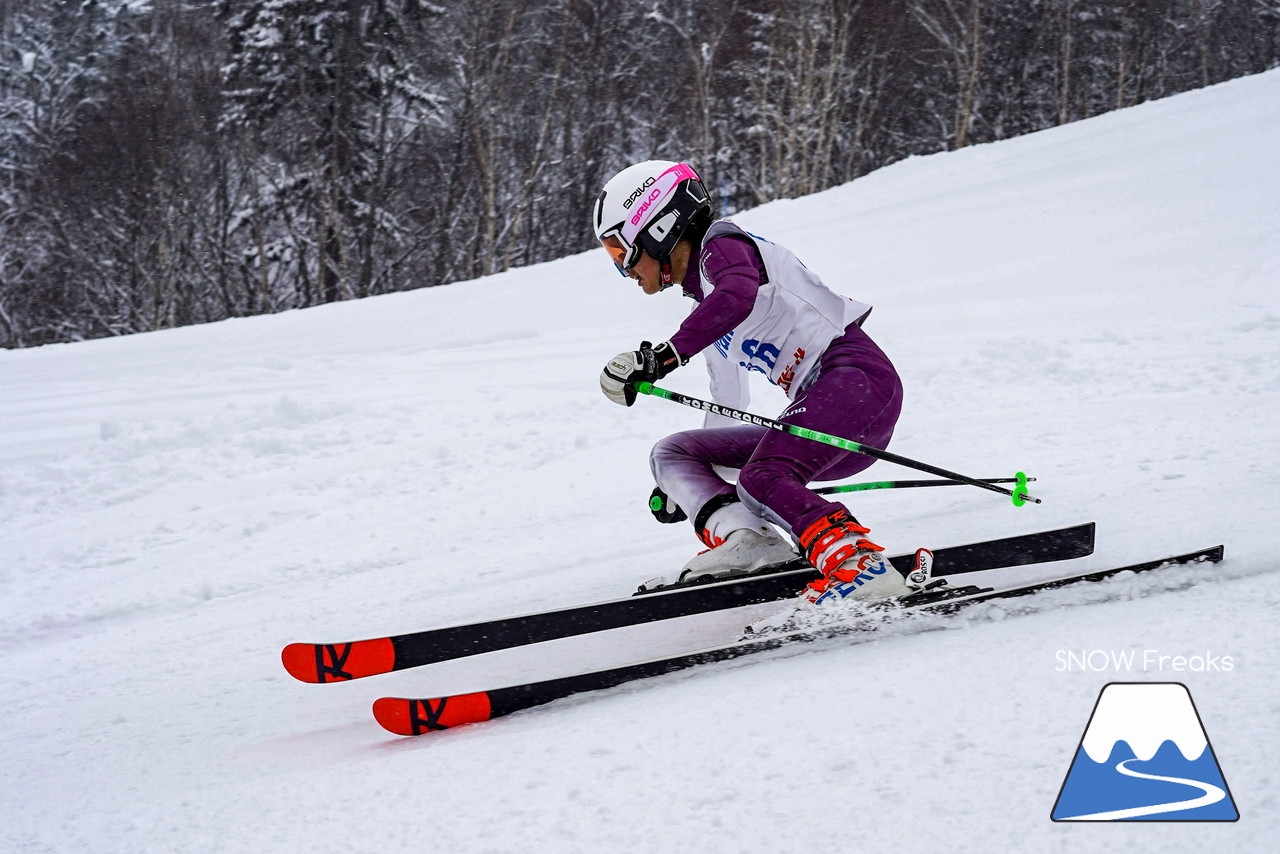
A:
[1018,493]
[908,484]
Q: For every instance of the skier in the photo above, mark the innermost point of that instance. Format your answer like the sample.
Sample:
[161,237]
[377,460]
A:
[758,309]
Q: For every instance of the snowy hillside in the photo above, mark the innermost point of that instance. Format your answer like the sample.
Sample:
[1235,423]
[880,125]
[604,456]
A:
[1097,305]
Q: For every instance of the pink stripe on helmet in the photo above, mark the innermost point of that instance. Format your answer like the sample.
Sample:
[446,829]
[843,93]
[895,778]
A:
[655,199]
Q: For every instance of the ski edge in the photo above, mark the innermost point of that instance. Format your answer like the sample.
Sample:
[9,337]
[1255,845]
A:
[411,717]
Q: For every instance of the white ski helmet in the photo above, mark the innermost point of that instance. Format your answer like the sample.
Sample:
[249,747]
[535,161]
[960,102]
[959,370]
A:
[650,206]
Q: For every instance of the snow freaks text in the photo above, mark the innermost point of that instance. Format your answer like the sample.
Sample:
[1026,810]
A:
[1144,660]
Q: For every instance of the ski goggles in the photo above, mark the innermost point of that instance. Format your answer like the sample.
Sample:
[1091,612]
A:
[624,257]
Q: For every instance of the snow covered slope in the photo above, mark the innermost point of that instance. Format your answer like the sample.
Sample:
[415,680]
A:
[1097,305]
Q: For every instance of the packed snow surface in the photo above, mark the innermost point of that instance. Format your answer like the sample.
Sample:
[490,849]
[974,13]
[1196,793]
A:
[1097,305]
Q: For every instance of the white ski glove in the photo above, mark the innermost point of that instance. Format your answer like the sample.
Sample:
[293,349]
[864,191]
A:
[648,364]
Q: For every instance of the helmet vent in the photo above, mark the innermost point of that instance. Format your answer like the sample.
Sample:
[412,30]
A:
[600,209]
[662,227]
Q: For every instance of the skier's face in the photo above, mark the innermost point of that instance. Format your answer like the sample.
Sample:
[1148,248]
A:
[648,274]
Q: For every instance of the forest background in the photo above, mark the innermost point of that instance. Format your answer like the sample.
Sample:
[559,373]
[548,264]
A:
[164,163]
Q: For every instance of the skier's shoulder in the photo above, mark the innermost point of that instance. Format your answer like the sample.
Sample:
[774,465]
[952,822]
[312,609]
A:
[726,246]
[723,230]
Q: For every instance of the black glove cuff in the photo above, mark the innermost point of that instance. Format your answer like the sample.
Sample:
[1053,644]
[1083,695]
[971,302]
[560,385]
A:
[665,359]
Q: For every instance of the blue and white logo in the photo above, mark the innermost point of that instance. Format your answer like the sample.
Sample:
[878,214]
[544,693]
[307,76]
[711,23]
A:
[1145,757]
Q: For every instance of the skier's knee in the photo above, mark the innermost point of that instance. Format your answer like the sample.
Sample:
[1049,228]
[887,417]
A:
[668,450]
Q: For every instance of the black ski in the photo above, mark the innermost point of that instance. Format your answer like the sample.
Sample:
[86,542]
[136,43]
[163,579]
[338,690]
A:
[406,716]
[340,662]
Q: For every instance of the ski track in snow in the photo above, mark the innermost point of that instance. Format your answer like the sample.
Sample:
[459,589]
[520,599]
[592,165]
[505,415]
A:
[1096,305]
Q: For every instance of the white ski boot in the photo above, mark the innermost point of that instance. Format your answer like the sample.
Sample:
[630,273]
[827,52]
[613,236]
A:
[738,543]
[811,612]
[852,567]
[742,552]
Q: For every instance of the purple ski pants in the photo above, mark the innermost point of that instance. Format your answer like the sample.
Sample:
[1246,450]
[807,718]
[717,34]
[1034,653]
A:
[857,395]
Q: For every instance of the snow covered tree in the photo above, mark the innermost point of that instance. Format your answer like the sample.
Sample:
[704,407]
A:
[325,92]
[53,58]
[959,33]
[797,94]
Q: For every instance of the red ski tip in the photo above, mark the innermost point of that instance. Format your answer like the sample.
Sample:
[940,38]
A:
[339,662]
[417,717]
